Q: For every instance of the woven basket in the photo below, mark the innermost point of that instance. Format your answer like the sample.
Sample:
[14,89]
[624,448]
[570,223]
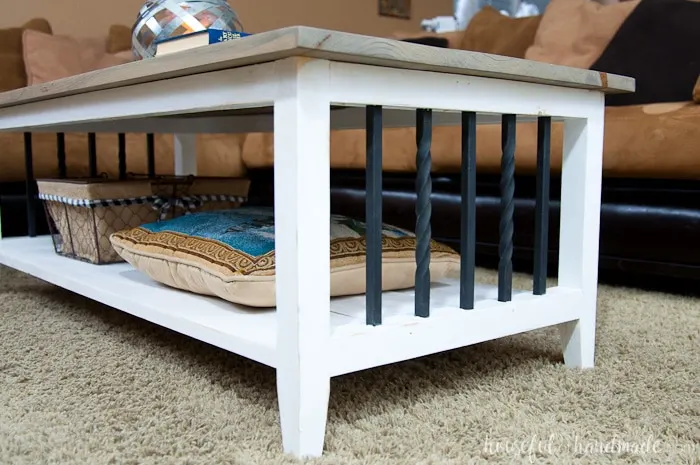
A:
[83,213]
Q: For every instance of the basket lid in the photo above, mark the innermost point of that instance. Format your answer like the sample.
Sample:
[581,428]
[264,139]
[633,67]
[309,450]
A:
[95,188]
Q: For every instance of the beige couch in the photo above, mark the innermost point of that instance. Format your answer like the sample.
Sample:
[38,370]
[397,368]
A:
[634,135]
[39,56]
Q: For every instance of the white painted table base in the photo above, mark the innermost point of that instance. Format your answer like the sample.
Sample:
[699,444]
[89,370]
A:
[185,154]
[309,338]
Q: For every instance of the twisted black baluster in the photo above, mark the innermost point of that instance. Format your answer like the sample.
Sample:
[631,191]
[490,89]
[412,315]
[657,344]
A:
[424,136]
[373,213]
[544,128]
[505,246]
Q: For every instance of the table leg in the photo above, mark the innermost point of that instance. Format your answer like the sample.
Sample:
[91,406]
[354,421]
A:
[185,154]
[302,243]
[579,231]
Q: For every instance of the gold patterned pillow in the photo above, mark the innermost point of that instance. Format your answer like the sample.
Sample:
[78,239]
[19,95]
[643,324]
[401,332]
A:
[231,254]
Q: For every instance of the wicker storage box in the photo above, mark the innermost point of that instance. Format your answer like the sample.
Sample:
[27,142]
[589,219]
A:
[83,213]
[178,195]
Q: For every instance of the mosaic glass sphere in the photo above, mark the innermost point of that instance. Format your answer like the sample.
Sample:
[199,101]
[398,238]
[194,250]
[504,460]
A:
[162,19]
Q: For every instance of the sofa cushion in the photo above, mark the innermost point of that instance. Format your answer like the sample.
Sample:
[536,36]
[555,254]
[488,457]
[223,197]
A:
[653,141]
[231,254]
[13,75]
[49,57]
[218,155]
[10,77]
[641,141]
[575,32]
[491,32]
[119,39]
[658,46]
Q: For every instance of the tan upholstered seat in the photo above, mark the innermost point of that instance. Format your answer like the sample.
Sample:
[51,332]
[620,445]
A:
[219,155]
[656,141]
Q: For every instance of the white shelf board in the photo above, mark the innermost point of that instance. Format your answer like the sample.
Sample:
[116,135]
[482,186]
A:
[252,333]
[402,336]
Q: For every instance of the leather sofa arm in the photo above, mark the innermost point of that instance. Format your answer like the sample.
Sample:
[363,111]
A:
[453,38]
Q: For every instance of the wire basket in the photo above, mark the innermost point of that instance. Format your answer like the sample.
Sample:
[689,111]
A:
[83,213]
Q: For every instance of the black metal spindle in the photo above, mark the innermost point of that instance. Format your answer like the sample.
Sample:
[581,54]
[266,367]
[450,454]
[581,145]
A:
[30,184]
[424,136]
[505,246]
[151,153]
[122,155]
[92,154]
[468,212]
[61,154]
[544,132]
[373,207]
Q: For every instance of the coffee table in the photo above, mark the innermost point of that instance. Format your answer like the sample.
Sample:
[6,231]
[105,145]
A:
[287,80]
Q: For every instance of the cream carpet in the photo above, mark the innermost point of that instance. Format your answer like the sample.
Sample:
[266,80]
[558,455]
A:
[82,383]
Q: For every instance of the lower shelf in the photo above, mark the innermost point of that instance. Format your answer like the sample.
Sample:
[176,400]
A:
[252,333]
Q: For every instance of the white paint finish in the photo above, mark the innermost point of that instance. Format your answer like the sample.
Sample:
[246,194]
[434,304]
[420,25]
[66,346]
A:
[185,153]
[403,336]
[191,124]
[251,334]
[120,286]
[313,43]
[247,87]
[323,338]
[580,229]
[373,85]
[350,117]
[355,118]
[302,237]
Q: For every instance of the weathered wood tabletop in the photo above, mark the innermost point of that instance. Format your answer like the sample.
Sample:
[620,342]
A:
[301,41]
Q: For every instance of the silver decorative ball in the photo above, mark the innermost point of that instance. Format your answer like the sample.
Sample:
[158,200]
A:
[162,19]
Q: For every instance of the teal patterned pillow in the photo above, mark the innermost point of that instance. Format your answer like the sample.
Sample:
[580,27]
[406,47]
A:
[231,254]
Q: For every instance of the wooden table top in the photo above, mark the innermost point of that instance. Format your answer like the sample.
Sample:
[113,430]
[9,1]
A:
[301,41]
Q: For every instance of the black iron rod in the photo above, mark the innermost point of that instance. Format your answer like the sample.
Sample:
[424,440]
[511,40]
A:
[122,155]
[151,153]
[544,133]
[30,184]
[505,246]
[468,212]
[92,154]
[373,207]
[61,154]
[424,136]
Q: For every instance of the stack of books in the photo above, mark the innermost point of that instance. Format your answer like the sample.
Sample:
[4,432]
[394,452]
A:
[194,40]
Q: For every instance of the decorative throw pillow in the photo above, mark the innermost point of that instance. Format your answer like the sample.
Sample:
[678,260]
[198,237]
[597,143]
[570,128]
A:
[48,57]
[575,32]
[231,254]
[489,31]
[51,57]
[13,75]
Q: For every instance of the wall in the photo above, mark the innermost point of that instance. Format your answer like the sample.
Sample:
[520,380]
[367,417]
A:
[93,17]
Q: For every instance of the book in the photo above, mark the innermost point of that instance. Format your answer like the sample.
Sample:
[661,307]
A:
[195,39]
